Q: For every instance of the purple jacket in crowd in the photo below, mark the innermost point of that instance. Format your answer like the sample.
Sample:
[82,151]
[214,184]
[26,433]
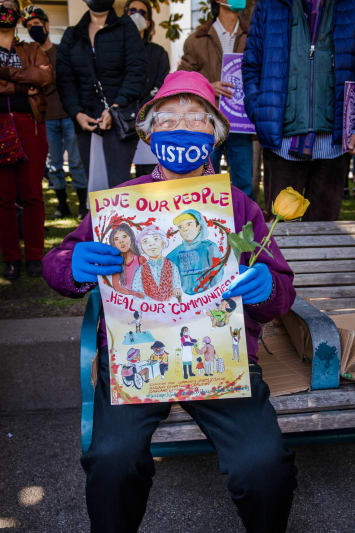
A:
[57,269]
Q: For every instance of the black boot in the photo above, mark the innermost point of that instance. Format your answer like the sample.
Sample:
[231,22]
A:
[62,210]
[12,270]
[185,371]
[82,197]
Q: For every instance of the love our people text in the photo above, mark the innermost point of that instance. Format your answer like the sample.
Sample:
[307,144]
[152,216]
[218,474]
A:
[180,201]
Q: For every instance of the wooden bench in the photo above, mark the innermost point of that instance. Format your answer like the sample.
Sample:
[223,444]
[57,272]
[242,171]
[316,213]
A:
[322,255]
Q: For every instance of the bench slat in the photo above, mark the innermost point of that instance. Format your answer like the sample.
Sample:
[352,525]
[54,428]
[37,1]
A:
[324,292]
[328,279]
[321,421]
[307,254]
[300,267]
[315,228]
[312,241]
[331,304]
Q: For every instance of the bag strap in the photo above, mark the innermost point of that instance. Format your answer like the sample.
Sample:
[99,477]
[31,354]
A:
[97,83]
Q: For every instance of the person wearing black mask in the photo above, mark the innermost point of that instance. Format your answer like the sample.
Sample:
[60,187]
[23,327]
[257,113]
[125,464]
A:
[158,68]
[60,129]
[25,73]
[108,47]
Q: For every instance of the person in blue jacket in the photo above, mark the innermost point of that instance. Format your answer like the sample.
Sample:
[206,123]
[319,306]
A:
[194,255]
[298,55]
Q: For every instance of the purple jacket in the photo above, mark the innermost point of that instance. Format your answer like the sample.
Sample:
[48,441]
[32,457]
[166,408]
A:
[58,273]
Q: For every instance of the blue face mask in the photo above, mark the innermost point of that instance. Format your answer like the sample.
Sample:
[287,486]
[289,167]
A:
[181,150]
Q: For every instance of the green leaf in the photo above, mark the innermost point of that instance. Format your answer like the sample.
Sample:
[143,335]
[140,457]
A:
[243,241]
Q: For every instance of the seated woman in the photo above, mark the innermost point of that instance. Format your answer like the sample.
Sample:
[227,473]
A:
[124,240]
[158,278]
[244,432]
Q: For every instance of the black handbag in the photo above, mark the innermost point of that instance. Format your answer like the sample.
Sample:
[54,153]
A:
[123,118]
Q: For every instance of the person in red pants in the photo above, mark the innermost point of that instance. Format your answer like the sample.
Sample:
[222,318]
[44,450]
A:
[24,73]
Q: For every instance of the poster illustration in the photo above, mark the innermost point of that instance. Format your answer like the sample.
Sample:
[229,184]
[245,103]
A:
[348,114]
[233,108]
[171,337]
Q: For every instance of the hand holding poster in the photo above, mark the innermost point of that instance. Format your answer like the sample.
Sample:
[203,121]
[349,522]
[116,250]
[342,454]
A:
[171,335]
[233,108]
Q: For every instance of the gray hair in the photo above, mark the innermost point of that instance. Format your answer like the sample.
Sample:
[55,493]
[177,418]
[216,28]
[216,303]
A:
[219,127]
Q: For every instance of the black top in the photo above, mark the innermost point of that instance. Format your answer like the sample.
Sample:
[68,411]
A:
[120,65]
[157,68]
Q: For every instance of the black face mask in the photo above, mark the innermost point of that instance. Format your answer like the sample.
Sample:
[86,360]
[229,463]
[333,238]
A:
[8,17]
[38,34]
[99,6]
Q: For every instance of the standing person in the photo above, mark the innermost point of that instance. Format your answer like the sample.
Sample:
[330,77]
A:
[209,354]
[60,129]
[113,47]
[244,431]
[24,74]
[298,55]
[158,67]
[187,344]
[226,33]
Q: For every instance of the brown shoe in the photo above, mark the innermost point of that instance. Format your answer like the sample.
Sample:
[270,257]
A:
[12,270]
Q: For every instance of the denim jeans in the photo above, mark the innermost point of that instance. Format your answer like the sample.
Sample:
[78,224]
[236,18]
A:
[238,148]
[61,136]
[260,472]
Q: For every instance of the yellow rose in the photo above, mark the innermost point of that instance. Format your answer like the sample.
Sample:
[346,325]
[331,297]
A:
[290,204]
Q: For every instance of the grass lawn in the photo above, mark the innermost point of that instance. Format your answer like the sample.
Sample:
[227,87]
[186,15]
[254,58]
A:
[31,297]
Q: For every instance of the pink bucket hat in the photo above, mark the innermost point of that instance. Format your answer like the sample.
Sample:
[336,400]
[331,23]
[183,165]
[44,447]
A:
[180,82]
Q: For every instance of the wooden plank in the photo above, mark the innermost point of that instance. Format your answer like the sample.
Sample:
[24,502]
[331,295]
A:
[312,241]
[315,228]
[305,254]
[342,398]
[289,423]
[333,304]
[334,292]
[300,267]
[326,420]
[328,279]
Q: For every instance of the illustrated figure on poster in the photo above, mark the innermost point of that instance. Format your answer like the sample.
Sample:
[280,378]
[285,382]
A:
[238,93]
[123,238]
[235,333]
[131,373]
[209,353]
[193,257]
[220,368]
[200,366]
[159,354]
[187,344]
[220,316]
[158,278]
[137,320]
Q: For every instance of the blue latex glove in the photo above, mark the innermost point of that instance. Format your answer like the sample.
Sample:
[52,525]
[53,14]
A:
[92,258]
[253,284]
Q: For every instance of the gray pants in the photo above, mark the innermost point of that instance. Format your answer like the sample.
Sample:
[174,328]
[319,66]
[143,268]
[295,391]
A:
[118,155]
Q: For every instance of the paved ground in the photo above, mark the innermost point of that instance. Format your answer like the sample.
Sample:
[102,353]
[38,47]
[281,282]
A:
[41,481]
[40,452]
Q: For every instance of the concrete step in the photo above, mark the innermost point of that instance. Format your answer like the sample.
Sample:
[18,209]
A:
[40,364]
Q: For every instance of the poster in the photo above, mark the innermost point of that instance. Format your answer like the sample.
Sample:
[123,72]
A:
[233,108]
[171,337]
[348,114]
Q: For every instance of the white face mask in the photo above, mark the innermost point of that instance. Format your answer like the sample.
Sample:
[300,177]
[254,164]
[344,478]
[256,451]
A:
[139,21]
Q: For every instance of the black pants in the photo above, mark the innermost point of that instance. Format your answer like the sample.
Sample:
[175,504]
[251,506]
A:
[321,179]
[119,466]
[118,155]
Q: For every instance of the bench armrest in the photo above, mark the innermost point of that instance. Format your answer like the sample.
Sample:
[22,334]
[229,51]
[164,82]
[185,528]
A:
[326,347]
[88,350]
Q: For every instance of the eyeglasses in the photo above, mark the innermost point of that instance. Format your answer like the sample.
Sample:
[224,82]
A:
[133,10]
[194,121]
